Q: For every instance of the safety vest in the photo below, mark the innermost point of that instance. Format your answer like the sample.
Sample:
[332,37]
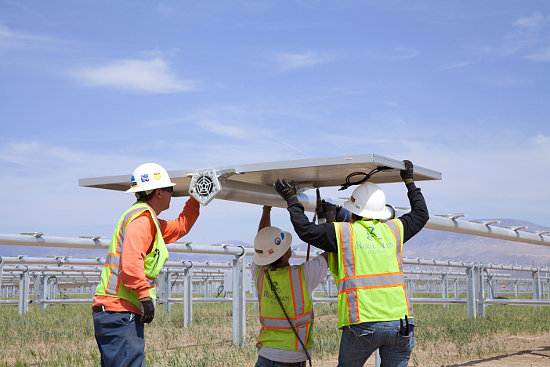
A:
[369,272]
[290,284]
[110,284]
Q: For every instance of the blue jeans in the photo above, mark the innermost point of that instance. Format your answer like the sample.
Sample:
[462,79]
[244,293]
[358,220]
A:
[119,336]
[360,340]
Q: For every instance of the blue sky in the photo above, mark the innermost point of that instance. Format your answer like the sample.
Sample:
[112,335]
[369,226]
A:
[96,88]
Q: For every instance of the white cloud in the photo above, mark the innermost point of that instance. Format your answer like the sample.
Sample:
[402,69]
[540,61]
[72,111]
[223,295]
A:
[542,55]
[146,76]
[291,61]
[226,121]
[530,21]
[525,37]
[392,104]
[458,64]
[504,80]
[398,53]
[40,157]
[12,39]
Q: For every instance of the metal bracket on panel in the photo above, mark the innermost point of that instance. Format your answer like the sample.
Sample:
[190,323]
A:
[516,228]
[486,222]
[93,238]
[451,216]
[205,184]
[34,234]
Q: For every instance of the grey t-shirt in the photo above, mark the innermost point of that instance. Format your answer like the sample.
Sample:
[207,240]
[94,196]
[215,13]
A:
[315,270]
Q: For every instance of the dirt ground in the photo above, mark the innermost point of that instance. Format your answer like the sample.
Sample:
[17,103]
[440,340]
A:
[524,351]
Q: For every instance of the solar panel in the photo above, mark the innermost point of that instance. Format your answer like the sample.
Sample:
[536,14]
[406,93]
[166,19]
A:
[259,177]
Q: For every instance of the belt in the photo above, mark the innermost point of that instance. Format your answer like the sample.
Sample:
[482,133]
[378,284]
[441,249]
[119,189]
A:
[98,308]
[286,364]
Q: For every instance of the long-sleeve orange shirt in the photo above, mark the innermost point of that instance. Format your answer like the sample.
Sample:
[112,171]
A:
[138,242]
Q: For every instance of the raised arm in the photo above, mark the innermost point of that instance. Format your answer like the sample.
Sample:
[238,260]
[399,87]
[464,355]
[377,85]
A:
[414,221]
[265,220]
[319,235]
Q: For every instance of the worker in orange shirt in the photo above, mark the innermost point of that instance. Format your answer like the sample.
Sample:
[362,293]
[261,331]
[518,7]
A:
[123,301]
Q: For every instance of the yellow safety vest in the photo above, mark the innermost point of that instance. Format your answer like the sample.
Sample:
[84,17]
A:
[110,284]
[290,285]
[369,272]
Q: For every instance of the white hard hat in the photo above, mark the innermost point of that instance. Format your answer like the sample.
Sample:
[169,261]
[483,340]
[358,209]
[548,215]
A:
[270,244]
[368,201]
[149,176]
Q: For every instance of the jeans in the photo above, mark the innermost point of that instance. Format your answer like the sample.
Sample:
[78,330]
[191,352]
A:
[360,340]
[119,336]
[264,362]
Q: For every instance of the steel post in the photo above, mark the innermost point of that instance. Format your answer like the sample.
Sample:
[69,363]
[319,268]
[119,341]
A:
[1,274]
[24,284]
[239,317]
[167,291]
[444,287]
[188,297]
[480,294]
[472,291]
[536,285]
[44,291]
[36,288]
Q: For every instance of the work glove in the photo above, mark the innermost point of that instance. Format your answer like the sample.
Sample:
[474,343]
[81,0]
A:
[407,173]
[147,308]
[328,211]
[285,189]
[342,215]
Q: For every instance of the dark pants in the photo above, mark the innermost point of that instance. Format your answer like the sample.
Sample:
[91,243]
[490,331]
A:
[264,362]
[119,336]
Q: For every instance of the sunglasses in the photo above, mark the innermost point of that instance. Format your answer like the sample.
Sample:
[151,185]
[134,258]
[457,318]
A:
[170,189]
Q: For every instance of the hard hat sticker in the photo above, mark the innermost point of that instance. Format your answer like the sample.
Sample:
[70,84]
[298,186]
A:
[145,177]
[156,175]
[259,251]
[277,241]
[282,236]
[133,182]
[270,251]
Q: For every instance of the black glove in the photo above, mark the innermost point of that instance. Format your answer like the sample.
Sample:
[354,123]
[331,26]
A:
[147,308]
[342,215]
[328,211]
[407,173]
[285,189]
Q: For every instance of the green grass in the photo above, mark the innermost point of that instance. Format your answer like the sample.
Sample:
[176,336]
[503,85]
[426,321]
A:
[63,335]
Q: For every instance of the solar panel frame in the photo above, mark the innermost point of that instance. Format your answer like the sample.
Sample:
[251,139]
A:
[315,172]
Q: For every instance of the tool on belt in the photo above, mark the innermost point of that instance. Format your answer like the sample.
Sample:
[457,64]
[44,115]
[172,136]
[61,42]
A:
[404,329]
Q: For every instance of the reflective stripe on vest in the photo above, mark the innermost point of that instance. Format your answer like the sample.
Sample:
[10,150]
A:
[398,238]
[370,281]
[116,262]
[283,323]
[347,249]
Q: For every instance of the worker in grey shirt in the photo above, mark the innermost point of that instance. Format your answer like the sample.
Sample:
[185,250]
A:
[285,297]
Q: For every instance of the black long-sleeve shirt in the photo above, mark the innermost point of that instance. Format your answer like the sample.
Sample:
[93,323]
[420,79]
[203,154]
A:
[323,235]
